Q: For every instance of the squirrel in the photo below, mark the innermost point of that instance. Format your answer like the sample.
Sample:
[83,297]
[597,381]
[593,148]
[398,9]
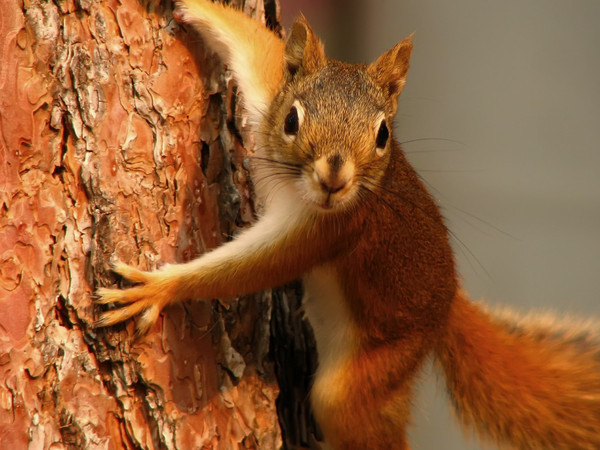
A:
[346,212]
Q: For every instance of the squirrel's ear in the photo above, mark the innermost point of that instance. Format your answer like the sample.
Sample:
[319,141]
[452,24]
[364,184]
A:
[304,52]
[390,70]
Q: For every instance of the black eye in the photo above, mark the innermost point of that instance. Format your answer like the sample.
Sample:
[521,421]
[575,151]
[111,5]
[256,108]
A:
[382,135]
[290,125]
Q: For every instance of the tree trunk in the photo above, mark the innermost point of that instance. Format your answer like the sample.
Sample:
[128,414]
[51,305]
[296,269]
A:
[120,138]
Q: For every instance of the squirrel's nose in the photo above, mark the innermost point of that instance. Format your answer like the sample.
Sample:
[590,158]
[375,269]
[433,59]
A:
[333,174]
[332,186]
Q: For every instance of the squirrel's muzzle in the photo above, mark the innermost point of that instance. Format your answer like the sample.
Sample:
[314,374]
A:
[333,175]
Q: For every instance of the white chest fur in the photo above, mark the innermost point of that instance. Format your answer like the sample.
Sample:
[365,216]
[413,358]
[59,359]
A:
[328,314]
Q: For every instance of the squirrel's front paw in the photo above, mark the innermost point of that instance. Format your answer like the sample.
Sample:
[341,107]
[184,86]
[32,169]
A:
[146,299]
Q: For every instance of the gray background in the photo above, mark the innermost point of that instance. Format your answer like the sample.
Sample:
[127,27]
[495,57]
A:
[515,88]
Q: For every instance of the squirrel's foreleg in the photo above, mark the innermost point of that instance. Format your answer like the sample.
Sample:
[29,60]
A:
[252,52]
[257,259]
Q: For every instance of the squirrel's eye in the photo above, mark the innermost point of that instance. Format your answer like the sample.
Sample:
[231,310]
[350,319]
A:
[290,125]
[382,135]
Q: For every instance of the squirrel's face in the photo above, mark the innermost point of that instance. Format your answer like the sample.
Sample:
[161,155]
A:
[327,135]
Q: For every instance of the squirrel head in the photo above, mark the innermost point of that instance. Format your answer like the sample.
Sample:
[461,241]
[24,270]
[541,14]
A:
[328,131]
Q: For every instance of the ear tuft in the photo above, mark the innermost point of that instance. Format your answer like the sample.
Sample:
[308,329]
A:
[304,52]
[389,71]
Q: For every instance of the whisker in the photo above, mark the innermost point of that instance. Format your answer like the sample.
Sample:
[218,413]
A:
[294,143]
[410,141]
[427,214]
[396,194]
[447,202]
[386,203]
[276,162]
[470,253]
[450,170]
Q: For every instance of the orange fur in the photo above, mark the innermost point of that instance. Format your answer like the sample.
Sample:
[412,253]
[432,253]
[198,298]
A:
[531,386]
[345,210]
[252,52]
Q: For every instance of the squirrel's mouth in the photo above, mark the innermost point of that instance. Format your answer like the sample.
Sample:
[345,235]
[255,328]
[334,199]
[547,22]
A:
[328,202]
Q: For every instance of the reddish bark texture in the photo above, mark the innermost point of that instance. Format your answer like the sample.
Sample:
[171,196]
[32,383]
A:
[119,138]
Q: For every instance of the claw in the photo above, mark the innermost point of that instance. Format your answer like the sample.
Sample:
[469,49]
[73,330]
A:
[115,316]
[146,299]
[107,319]
[106,296]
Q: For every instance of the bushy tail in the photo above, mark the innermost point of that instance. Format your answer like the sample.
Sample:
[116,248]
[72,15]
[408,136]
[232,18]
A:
[531,383]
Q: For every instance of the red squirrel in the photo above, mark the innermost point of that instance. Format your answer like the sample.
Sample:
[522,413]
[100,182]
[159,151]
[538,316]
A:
[345,211]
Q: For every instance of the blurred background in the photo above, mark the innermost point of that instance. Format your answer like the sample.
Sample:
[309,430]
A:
[501,117]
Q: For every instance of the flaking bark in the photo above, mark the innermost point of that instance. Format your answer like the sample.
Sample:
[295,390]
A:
[120,138]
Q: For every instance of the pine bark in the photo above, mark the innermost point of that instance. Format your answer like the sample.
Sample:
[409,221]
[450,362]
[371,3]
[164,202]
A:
[120,138]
